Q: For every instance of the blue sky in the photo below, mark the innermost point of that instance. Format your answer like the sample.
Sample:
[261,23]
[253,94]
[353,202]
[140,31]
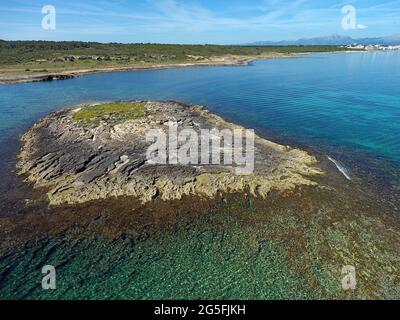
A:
[195,21]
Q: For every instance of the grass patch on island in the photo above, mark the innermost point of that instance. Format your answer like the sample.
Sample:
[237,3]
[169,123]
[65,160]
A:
[111,112]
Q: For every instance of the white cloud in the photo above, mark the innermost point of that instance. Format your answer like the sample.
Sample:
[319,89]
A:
[362,26]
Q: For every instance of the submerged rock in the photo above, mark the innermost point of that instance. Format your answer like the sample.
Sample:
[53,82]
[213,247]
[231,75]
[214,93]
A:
[79,158]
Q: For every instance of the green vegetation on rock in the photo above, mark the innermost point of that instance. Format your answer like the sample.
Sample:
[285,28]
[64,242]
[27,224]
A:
[29,58]
[112,112]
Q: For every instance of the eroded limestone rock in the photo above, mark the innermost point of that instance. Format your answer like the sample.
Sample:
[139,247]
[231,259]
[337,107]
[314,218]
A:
[80,162]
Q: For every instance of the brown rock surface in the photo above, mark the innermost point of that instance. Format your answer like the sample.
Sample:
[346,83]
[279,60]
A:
[83,161]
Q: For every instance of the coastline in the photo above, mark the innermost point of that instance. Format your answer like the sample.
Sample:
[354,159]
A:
[110,160]
[220,61]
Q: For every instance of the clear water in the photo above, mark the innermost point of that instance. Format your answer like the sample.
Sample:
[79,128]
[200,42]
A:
[343,104]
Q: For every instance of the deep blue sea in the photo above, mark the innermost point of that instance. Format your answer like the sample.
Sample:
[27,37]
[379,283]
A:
[346,101]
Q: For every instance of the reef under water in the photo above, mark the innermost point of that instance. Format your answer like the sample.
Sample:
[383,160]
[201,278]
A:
[289,246]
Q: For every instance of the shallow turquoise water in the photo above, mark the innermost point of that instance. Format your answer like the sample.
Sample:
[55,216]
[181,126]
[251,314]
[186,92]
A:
[327,100]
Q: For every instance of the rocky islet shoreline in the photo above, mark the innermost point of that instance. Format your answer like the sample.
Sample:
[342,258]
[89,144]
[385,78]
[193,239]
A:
[78,161]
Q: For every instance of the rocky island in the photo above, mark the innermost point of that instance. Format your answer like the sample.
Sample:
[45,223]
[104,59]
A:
[102,210]
[99,151]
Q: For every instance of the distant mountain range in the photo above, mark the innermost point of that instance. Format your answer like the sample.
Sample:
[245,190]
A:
[393,40]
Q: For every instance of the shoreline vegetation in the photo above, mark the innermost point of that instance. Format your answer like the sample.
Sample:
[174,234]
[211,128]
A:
[35,61]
